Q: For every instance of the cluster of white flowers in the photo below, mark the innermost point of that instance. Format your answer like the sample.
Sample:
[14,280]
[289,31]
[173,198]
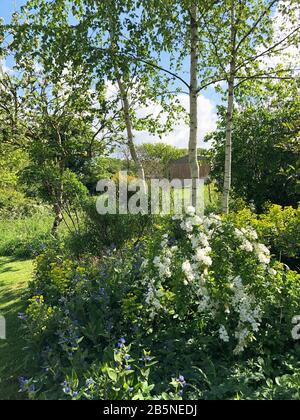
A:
[245,236]
[246,245]
[223,334]
[201,232]
[164,262]
[202,257]
[248,309]
[263,254]
[152,299]
[188,272]
[241,335]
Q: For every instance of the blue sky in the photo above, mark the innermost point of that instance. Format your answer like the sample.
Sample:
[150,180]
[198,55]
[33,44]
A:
[7,8]
[179,137]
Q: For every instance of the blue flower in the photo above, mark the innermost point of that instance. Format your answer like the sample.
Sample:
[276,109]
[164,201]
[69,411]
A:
[31,388]
[181,380]
[90,382]
[23,382]
[22,316]
[67,390]
[137,247]
[129,367]
[121,342]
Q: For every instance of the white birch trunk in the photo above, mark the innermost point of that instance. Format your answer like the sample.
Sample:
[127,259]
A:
[129,130]
[228,147]
[193,153]
[229,117]
[127,117]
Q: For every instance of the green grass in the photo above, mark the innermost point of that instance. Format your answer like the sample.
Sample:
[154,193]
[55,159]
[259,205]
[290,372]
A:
[21,237]
[211,197]
[14,276]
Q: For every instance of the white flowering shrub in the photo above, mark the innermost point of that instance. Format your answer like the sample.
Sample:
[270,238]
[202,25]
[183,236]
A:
[210,270]
[196,293]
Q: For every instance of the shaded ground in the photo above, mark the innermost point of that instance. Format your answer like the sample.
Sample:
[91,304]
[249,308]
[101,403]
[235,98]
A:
[14,276]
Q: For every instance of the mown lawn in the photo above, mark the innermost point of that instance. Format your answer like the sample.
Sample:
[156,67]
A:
[14,276]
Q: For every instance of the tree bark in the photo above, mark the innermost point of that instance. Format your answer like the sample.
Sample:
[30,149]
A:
[58,218]
[229,117]
[228,147]
[193,153]
[130,137]
[58,206]
[126,109]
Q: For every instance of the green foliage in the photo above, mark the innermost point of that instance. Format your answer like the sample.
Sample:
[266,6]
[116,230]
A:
[101,168]
[14,277]
[27,236]
[13,202]
[278,227]
[200,296]
[265,162]
[159,156]
[101,231]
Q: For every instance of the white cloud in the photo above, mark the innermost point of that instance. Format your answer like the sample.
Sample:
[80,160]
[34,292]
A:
[284,25]
[5,69]
[179,137]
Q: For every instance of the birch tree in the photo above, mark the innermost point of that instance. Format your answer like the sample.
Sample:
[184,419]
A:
[242,40]
[104,38]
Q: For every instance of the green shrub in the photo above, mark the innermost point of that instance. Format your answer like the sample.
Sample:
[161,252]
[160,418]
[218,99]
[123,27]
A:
[27,236]
[101,231]
[195,293]
[279,228]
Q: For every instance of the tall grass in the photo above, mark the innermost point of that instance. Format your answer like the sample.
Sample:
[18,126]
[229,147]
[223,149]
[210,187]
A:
[24,237]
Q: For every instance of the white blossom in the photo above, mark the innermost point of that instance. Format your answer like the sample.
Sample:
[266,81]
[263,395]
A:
[188,271]
[202,256]
[223,334]
[190,210]
[246,246]
[272,272]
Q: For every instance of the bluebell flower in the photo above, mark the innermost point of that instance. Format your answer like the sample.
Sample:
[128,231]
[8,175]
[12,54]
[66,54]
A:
[129,367]
[90,382]
[137,247]
[31,388]
[66,387]
[121,342]
[181,380]
[23,382]
[22,316]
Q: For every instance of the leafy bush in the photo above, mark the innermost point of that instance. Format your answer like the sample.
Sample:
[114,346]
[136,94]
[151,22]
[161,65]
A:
[27,236]
[279,228]
[196,293]
[265,164]
[101,231]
